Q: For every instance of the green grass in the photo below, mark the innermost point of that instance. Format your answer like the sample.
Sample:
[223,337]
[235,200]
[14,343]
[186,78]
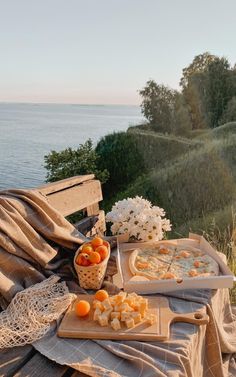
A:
[186,187]
[194,179]
[225,130]
[159,149]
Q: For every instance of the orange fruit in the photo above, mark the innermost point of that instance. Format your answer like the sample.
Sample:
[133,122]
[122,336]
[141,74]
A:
[106,243]
[97,241]
[82,308]
[78,259]
[101,295]
[83,259]
[87,249]
[103,251]
[95,257]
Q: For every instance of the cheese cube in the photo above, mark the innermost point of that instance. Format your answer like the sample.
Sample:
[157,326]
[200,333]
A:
[115,315]
[151,319]
[107,313]
[125,307]
[103,320]
[113,300]
[121,297]
[125,316]
[144,303]
[143,307]
[97,305]
[129,323]
[130,302]
[136,304]
[132,295]
[115,324]
[136,317]
[106,304]
[117,308]
[96,314]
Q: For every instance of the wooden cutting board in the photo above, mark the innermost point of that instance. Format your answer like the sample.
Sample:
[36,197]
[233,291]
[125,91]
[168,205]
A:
[86,328]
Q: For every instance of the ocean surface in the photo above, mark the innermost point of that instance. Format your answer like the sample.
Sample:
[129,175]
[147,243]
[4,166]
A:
[28,132]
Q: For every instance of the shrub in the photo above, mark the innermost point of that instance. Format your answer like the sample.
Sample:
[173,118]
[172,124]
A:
[120,155]
[69,162]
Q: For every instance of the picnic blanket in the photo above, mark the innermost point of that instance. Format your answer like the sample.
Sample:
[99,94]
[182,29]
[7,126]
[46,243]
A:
[36,241]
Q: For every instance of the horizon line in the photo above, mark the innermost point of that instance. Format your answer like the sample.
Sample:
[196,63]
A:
[67,103]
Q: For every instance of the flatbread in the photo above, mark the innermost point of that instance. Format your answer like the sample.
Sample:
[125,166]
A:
[168,262]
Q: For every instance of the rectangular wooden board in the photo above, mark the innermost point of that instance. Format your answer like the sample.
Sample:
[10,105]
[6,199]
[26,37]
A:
[86,328]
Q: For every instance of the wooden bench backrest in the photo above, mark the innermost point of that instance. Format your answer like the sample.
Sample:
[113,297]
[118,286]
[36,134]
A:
[74,194]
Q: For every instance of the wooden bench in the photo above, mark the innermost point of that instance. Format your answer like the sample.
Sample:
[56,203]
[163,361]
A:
[80,193]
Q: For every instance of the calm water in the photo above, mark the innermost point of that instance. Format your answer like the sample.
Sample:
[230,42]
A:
[30,131]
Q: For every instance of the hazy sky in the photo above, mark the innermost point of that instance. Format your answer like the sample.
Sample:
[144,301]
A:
[103,51]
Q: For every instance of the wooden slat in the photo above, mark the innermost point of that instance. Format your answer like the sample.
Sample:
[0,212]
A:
[76,198]
[12,359]
[40,366]
[99,227]
[78,374]
[93,209]
[92,225]
[50,188]
[85,225]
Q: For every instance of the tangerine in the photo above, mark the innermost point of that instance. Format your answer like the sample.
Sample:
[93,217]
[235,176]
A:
[106,243]
[87,249]
[95,257]
[97,241]
[101,295]
[103,251]
[82,308]
[83,259]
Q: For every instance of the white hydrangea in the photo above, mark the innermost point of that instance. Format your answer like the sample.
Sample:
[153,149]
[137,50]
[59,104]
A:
[139,218]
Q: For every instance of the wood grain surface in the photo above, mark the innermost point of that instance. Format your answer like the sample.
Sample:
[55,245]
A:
[86,328]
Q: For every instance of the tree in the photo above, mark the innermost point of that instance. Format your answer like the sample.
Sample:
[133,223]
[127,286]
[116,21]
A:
[199,64]
[193,88]
[69,162]
[218,88]
[229,114]
[157,106]
[207,83]
[182,119]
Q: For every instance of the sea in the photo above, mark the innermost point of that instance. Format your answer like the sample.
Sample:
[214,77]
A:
[28,132]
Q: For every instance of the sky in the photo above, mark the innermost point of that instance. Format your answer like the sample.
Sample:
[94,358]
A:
[104,51]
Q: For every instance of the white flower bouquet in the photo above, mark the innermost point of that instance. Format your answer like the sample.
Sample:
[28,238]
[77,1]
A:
[139,219]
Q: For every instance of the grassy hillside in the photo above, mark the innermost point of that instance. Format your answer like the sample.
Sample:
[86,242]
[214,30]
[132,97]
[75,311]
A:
[226,130]
[194,179]
[191,178]
[189,188]
[159,149]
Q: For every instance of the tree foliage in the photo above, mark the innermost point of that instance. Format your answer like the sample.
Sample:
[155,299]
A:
[120,155]
[182,119]
[219,90]
[158,102]
[71,162]
[208,83]
[199,65]
[229,114]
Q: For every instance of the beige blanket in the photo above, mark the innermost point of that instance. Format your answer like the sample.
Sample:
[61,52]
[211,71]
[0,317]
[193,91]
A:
[29,229]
